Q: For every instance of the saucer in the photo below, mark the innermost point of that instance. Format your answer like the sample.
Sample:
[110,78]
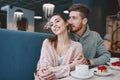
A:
[74,74]
[109,72]
[115,67]
[114,59]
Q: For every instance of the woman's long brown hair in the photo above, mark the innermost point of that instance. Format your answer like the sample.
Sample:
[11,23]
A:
[54,40]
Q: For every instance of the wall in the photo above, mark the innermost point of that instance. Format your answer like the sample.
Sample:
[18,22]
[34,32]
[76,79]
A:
[3,19]
[97,19]
[11,21]
[99,15]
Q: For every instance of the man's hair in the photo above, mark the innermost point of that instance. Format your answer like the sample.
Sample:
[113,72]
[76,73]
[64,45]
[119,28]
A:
[83,9]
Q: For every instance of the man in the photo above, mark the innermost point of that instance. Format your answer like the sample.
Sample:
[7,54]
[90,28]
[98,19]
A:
[91,41]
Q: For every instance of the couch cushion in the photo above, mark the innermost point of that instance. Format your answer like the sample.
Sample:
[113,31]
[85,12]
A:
[19,53]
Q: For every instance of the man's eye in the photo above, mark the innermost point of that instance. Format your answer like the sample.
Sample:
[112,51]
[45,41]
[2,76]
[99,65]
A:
[74,17]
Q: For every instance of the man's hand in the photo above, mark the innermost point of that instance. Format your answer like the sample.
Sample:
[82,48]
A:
[79,60]
[82,60]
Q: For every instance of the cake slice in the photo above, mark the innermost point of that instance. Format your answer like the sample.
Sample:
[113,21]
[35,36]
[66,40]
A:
[117,64]
[102,68]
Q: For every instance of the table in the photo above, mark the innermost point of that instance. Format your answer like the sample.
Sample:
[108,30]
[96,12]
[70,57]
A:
[115,54]
[114,76]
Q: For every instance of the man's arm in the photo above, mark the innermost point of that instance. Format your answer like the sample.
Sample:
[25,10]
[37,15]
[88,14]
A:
[103,54]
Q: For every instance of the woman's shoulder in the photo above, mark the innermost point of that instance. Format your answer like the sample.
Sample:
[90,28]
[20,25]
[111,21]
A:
[77,46]
[46,41]
[75,43]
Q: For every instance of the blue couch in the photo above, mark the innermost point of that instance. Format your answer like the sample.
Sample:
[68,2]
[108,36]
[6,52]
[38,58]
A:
[19,53]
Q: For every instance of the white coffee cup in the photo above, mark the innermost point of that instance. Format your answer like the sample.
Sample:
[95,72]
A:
[114,59]
[82,70]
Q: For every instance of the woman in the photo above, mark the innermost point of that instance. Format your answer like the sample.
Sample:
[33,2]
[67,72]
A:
[59,54]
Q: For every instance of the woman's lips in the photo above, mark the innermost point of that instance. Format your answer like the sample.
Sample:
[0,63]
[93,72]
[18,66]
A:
[57,28]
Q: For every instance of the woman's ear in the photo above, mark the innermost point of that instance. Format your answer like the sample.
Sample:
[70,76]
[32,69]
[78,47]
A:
[85,20]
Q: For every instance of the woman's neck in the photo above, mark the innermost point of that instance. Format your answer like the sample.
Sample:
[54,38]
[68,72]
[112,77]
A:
[63,44]
[63,38]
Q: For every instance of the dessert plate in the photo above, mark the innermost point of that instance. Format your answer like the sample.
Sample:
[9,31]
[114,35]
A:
[115,67]
[96,72]
[73,74]
[112,60]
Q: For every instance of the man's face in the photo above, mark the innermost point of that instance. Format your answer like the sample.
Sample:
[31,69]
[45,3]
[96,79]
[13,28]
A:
[75,21]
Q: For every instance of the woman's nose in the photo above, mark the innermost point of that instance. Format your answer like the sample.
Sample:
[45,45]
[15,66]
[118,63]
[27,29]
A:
[54,25]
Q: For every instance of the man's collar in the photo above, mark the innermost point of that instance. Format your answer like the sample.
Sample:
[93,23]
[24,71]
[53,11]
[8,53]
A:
[85,33]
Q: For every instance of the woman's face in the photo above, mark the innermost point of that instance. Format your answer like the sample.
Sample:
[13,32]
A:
[58,25]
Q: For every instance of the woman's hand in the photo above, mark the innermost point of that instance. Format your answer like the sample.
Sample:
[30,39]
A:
[36,77]
[45,74]
[48,75]
[78,60]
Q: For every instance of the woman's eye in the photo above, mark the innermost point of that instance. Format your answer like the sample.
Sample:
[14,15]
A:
[57,21]
[51,25]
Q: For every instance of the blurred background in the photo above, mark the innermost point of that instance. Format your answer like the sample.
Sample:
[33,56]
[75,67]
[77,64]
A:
[104,17]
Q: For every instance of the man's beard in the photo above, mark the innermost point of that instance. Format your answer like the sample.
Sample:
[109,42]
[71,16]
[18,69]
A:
[76,29]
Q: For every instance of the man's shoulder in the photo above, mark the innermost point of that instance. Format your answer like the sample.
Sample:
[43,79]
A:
[94,32]
[94,35]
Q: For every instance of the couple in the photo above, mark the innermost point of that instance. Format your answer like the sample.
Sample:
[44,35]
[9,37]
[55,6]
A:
[60,54]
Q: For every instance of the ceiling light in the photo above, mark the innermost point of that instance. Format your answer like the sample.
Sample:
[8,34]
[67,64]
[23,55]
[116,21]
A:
[66,11]
[18,13]
[48,9]
[37,17]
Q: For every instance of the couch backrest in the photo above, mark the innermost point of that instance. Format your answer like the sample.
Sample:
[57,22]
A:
[19,53]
